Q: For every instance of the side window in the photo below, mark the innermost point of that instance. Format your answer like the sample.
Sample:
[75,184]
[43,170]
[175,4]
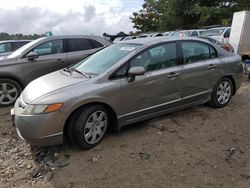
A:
[227,33]
[196,51]
[49,48]
[16,45]
[156,58]
[95,43]
[5,47]
[213,53]
[75,45]
[194,33]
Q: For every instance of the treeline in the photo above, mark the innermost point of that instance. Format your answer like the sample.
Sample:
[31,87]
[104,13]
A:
[166,15]
[6,36]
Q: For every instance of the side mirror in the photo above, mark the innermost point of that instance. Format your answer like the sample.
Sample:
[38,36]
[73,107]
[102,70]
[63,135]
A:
[32,55]
[135,71]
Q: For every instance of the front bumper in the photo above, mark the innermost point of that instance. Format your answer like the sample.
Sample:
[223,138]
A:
[40,129]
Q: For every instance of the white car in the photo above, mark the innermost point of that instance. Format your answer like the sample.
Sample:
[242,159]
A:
[220,34]
[196,32]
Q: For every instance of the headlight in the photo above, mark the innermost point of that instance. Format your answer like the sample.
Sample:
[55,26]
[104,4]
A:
[42,108]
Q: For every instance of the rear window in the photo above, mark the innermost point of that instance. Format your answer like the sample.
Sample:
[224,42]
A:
[77,44]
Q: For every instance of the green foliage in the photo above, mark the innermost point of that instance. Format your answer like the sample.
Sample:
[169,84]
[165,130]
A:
[6,36]
[164,15]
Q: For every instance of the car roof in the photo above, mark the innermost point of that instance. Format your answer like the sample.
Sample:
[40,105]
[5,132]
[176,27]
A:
[149,40]
[219,28]
[73,36]
[4,41]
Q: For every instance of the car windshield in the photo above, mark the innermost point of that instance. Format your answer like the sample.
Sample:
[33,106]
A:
[213,32]
[103,60]
[19,51]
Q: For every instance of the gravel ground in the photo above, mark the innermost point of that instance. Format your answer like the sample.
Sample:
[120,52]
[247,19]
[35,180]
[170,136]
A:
[196,147]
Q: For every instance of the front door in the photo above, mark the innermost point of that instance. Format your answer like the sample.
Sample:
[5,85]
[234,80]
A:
[159,88]
[51,58]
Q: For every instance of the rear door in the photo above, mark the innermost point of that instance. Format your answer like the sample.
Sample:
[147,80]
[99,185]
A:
[200,62]
[78,49]
[157,90]
[52,57]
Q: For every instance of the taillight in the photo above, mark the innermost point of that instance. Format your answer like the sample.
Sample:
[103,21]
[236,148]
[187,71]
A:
[226,47]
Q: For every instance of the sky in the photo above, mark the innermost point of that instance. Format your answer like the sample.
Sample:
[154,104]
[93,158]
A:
[67,16]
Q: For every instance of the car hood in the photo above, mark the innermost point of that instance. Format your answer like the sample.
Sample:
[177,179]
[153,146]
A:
[49,83]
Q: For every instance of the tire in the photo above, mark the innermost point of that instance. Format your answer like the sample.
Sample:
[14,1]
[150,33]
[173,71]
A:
[88,126]
[10,90]
[222,93]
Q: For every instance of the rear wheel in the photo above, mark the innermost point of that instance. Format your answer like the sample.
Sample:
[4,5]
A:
[222,93]
[88,126]
[9,92]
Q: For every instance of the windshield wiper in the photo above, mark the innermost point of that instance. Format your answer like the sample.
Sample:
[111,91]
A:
[82,73]
[72,69]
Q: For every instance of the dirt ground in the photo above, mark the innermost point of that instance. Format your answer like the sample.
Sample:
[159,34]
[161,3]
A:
[195,148]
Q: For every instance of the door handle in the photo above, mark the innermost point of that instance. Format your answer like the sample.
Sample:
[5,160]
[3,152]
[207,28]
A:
[173,75]
[211,66]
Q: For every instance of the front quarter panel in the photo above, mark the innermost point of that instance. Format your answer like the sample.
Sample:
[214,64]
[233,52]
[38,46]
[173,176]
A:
[82,94]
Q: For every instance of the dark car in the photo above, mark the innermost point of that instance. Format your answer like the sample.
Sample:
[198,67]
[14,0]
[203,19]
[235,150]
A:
[9,46]
[41,57]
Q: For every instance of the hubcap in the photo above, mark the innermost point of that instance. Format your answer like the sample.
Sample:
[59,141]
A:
[8,93]
[95,127]
[224,92]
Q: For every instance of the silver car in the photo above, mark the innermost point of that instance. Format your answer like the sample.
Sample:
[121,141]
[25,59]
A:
[40,57]
[122,84]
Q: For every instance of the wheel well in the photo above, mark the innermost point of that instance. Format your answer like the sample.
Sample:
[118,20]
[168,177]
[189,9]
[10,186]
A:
[233,82]
[112,114]
[16,80]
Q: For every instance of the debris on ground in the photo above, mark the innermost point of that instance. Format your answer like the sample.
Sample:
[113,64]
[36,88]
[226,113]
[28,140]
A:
[144,156]
[229,153]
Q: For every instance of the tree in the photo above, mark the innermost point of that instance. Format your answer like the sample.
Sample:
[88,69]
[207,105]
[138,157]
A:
[147,18]
[163,15]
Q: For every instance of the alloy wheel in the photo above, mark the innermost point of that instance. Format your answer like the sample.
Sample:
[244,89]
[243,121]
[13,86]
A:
[8,93]
[95,127]
[224,92]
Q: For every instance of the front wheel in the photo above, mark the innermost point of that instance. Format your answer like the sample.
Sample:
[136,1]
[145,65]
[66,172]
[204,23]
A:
[89,126]
[222,93]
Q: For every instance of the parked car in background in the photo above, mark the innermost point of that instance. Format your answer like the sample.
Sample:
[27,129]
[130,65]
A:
[220,34]
[227,47]
[118,39]
[41,57]
[129,38]
[184,33]
[9,46]
[196,32]
[127,82]
[168,33]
